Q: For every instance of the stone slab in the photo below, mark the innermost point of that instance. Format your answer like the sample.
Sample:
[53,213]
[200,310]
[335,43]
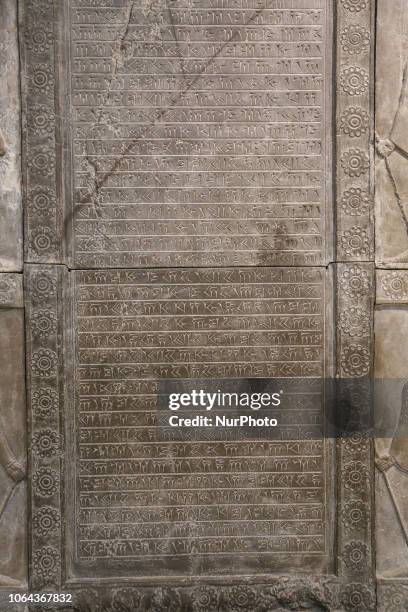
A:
[148,135]
[195,135]
[391,318]
[391,333]
[391,139]
[11,226]
[155,500]
[13,493]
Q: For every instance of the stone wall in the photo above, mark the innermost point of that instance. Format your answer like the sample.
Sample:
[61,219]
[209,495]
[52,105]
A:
[212,190]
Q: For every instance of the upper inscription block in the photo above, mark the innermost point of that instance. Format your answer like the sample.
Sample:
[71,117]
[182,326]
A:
[198,132]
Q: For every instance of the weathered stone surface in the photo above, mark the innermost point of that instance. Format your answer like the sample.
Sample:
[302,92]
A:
[126,477]
[11,290]
[13,503]
[198,138]
[391,350]
[391,409]
[392,287]
[391,319]
[150,496]
[391,134]
[196,135]
[218,171]
[11,227]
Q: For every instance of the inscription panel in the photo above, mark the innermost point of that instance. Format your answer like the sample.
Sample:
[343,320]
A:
[198,132]
[159,203]
[182,501]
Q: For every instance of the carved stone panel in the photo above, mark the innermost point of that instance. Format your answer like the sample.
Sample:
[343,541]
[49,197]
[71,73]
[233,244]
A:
[165,500]
[391,318]
[11,227]
[198,197]
[139,501]
[13,502]
[193,134]
[391,140]
[391,333]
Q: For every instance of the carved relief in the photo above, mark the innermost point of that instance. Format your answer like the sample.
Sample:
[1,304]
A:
[194,137]
[134,328]
[354,189]
[391,448]
[11,291]
[45,333]
[11,228]
[354,350]
[16,474]
[13,566]
[392,298]
[223,160]
[391,127]
[43,230]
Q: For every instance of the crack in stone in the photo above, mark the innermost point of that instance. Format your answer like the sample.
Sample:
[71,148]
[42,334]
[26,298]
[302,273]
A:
[174,31]
[118,51]
[117,58]
[92,170]
[162,113]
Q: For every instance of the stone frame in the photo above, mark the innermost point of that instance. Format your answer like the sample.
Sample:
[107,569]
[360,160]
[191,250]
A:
[48,363]
[46,355]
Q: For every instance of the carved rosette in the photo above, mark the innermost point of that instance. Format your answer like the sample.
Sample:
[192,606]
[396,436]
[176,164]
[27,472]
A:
[392,286]
[354,206]
[355,303]
[11,290]
[42,224]
[392,596]
[355,298]
[44,367]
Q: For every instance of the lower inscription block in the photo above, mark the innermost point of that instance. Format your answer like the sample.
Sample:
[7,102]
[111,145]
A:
[147,499]
[13,486]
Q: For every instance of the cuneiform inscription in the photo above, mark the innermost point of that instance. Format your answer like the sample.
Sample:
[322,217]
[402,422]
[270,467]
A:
[198,133]
[145,490]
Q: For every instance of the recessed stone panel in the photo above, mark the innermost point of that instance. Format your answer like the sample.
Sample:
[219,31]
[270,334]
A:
[192,135]
[196,502]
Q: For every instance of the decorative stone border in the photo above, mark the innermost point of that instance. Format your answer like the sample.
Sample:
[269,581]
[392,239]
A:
[43,230]
[352,585]
[354,317]
[45,367]
[354,133]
